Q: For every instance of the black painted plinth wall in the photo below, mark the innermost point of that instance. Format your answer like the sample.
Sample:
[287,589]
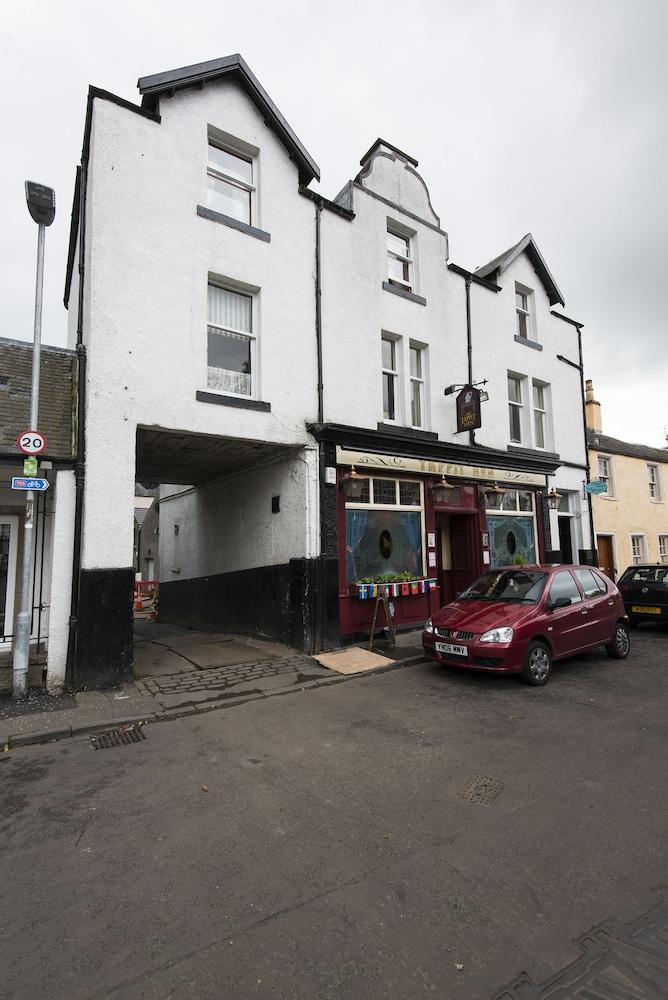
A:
[104,630]
[269,602]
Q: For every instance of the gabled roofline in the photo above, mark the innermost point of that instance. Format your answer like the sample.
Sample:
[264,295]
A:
[165,84]
[527,243]
[395,149]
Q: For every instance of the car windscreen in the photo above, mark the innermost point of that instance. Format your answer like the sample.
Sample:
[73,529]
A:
[507,585]
[646,574]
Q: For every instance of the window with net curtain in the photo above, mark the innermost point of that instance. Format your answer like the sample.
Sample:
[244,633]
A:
[230,342]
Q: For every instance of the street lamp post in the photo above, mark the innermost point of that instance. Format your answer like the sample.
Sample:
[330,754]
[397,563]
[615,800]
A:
[42,207]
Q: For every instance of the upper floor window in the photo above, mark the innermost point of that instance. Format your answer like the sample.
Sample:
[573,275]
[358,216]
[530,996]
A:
[540,415]
[390,363]
[654,482]
[231,342]
[605,473]
[417,385]
[515,408]
[231,182]
[399,259]
[523,313]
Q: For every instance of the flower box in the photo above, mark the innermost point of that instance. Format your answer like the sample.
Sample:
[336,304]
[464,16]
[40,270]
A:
[367,591]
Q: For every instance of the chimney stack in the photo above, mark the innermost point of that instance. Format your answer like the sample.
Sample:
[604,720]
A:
[592,407]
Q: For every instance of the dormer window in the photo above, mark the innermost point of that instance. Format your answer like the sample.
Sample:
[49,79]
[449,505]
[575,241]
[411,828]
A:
[399,259]
[231,182]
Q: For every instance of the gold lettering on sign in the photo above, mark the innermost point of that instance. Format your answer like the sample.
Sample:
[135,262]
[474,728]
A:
[428,467]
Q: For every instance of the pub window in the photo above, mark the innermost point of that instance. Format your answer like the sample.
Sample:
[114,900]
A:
[385,530]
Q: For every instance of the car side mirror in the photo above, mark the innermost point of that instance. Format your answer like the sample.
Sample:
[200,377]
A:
[560,602]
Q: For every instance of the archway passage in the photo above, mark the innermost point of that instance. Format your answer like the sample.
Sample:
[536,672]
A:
[236,533]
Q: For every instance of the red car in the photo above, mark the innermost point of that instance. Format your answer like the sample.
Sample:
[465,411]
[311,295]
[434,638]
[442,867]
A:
[520,619]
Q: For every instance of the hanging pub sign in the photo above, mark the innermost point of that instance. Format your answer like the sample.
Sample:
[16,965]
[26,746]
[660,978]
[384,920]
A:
[468,409]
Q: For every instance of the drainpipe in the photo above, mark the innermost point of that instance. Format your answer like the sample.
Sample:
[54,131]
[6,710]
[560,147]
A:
[584,431]
[321,416]
[80,467]
[469,344]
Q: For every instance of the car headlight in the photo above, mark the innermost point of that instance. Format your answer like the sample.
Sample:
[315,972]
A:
[497,635]
[429,625]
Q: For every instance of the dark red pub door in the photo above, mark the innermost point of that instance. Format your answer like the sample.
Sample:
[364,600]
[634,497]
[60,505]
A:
[465,558]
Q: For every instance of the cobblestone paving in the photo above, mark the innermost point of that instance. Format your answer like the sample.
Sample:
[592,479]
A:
[222,682]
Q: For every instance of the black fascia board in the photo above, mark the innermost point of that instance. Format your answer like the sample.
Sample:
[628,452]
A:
[387,443]
[395,149]
[567,319]
[331,206]
[103,95]
[474,277]
[152,87]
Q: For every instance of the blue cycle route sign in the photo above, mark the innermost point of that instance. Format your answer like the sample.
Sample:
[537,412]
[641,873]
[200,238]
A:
[24,483]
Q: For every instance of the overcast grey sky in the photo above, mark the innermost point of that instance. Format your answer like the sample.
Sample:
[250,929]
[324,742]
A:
[546,116]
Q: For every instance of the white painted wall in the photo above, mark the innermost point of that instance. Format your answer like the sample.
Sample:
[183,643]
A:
[61,579]
[229,525]
[148,257]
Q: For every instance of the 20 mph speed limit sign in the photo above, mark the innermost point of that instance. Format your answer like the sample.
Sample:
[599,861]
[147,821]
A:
[31,442]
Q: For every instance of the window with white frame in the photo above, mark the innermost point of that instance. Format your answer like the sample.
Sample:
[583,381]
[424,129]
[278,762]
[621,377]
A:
[417,376]
[385,530]
[605,474]
[523,301]
[663,548]
[540,415]
[390,361]
[231,342]
[399,259]
[231,181]
[515,408]
[654,482]
[638,553]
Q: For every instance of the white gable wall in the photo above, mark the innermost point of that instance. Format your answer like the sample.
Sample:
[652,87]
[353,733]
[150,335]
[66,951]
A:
[148,260]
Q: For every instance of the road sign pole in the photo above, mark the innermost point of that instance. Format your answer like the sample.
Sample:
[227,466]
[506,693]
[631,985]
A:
[21,655]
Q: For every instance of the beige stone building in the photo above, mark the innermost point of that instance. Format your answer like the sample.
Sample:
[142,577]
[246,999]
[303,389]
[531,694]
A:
[631,517]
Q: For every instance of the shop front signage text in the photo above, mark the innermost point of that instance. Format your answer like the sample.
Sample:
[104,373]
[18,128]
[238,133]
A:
[399,463]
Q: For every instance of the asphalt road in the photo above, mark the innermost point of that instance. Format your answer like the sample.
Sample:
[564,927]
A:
[316,845]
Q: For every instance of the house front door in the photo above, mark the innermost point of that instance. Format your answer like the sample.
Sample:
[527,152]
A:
[465,559]
[8,545]
[605,556]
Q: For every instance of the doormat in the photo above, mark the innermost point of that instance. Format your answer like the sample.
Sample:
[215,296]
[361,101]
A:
[352,661]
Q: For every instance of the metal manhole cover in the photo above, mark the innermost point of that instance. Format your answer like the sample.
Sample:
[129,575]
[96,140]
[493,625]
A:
[117,737]
[481,789]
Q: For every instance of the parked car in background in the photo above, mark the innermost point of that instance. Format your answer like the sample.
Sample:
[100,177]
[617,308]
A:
[644,590]
[522,619]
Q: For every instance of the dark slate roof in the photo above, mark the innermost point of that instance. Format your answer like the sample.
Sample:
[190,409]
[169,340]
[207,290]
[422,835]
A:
[601,442]
[57,398]
[153,87]
[497,266]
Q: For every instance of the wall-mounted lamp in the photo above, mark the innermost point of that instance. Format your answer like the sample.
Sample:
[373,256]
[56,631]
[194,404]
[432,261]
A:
[494,495]
[441,490]
[353,484]
[553,499]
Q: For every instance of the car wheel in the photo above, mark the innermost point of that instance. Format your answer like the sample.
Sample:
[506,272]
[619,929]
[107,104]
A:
[537,664]
[620,646]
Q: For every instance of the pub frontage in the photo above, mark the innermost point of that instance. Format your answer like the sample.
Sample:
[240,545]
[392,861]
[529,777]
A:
[421,519]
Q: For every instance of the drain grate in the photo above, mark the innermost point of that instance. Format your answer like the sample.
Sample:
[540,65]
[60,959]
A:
[481,789]
[117,737]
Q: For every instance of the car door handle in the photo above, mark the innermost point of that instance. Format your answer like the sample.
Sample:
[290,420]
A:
[584,611]
[611,603]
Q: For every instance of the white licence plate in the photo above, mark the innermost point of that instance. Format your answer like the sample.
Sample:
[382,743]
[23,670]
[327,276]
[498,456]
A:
[447,647]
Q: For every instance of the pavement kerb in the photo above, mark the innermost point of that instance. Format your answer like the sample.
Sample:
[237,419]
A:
[9,741]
